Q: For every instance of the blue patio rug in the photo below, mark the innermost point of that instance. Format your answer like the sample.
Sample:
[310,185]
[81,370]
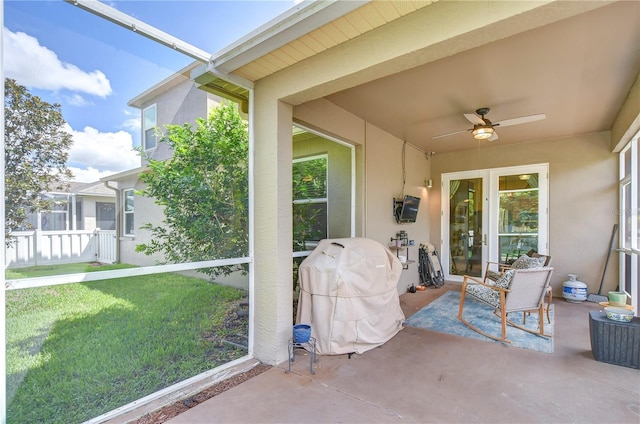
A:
[441,315]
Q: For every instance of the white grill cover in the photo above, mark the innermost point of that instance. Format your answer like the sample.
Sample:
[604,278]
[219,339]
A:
[349,295]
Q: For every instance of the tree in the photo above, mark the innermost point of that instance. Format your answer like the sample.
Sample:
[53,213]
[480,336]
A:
[35,155]
[204,190]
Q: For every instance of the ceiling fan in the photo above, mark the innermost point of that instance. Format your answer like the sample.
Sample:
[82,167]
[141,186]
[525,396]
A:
[484,129]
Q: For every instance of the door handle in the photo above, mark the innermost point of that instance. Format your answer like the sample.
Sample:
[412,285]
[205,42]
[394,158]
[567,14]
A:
[484,239]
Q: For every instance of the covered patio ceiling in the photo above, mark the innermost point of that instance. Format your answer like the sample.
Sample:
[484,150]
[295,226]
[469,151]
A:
[577,71]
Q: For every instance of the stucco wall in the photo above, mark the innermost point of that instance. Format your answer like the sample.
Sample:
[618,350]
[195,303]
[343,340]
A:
[182,104]
[583,199]
[382,176]
[145,210]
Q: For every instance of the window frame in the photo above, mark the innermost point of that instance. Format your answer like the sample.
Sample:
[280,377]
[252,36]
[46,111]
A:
[316,200]
[126,213]
[147,126]
[629,220]
[59,213]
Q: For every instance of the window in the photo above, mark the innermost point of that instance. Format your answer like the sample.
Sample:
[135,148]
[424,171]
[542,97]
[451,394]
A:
[629,220]
[128,212]
[56,219]
[310,202]
[79,216]
[106,215]
[149,123]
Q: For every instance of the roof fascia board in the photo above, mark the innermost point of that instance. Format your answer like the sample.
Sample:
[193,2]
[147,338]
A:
[135,25]
[296,22]
[206,73]
[164,85]
[124,174]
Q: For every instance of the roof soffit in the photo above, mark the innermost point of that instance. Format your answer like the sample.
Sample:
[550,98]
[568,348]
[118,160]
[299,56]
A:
[340,30]
[424,36]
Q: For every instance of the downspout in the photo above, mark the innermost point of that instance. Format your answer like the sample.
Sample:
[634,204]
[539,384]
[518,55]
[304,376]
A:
[118,218]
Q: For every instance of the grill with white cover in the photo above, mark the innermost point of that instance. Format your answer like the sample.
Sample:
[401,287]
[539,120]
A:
[348,293]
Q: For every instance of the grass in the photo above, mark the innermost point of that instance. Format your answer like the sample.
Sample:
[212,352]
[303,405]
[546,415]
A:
[43,271]
[76,351]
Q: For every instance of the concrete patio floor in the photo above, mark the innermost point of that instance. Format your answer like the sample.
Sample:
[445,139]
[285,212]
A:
[422,376]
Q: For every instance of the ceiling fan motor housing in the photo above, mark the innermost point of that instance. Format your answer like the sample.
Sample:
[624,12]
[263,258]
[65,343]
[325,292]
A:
[483,111]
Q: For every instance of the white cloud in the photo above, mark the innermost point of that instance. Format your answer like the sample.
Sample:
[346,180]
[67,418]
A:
[35,66]
[88,175]
[78,100]
[132,124]
[96,153]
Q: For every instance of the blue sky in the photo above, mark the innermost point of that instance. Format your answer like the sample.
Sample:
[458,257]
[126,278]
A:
[93,67]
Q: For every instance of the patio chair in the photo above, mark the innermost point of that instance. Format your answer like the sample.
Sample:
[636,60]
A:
[530,260]
[517,290]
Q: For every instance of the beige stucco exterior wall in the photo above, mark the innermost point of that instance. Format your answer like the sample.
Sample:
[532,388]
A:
[583,199]
[272,283]
[384,181]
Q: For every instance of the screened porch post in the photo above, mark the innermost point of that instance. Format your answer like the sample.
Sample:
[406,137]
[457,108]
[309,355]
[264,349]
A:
[273,228]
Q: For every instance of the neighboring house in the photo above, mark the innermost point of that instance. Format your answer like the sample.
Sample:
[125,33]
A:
[83,206]
[175,100]
[68,232]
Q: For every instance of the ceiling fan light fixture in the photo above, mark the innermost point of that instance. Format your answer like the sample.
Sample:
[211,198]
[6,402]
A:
[482,132]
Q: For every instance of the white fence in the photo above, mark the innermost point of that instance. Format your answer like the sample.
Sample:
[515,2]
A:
[107,241]
[37,247]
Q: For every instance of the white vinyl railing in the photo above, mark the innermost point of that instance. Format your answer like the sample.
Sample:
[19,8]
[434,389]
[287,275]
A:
[37,247]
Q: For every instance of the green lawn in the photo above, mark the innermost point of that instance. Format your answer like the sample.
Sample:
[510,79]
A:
[76,351]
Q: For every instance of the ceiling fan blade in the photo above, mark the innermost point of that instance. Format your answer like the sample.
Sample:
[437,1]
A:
[493,137]
[521,120]
[448,134]
[474,119]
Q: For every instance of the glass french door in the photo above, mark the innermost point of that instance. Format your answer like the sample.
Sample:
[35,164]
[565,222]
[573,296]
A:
[492,215]
[466,223]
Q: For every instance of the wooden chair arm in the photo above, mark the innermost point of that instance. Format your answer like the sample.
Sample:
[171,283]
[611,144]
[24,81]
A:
[501,269]
[501,266]
[482,283]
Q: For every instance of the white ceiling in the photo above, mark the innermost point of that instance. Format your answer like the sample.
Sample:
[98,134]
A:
[577,71]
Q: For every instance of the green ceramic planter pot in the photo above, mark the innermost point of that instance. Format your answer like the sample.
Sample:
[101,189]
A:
[617,298]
